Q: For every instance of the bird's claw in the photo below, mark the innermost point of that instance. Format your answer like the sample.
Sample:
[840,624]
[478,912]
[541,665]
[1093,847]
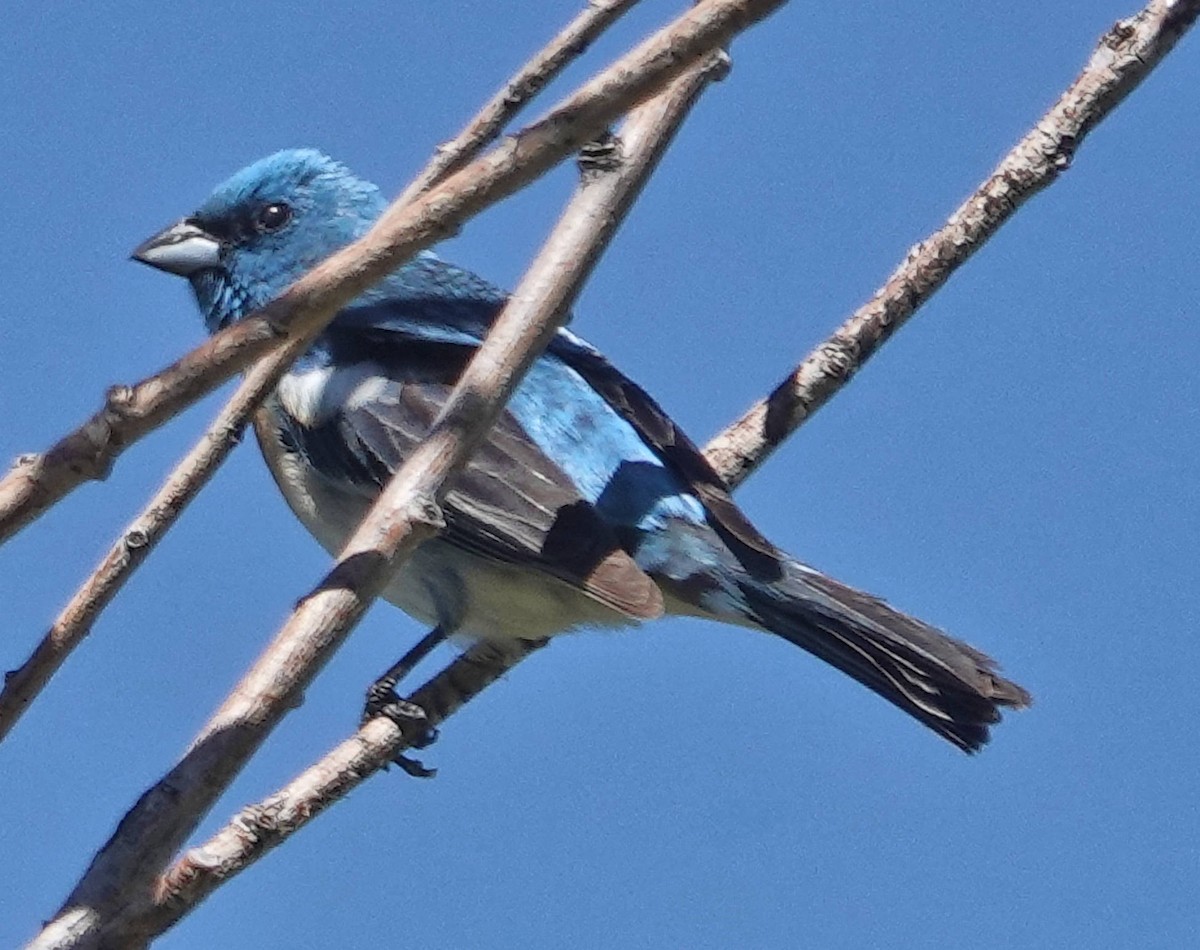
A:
[413,767]
[382,700]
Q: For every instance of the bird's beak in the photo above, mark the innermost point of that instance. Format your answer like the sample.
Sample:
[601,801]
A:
[182,249]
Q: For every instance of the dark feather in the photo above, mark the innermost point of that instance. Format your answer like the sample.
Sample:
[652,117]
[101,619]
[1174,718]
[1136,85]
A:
[510,502]
[761,559]
[944,683]
[364,332]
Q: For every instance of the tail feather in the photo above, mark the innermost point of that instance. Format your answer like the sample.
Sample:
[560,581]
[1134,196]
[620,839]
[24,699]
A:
[944,683]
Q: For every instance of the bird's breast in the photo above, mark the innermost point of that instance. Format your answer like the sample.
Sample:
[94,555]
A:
[313,391]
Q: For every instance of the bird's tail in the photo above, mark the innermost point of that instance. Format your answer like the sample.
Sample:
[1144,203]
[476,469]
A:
[949,686]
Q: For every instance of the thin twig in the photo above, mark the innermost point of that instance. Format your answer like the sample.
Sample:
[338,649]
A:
[38,481]
[531,79]
[257,829]
[128,552]
[115,892]
[142,534]
[1124,57]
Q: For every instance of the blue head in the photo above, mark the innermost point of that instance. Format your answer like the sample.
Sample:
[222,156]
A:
[262,229]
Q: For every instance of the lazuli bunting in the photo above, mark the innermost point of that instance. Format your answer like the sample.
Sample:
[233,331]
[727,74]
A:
[585,506]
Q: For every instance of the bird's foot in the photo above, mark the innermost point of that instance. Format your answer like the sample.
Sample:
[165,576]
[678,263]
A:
[383,700]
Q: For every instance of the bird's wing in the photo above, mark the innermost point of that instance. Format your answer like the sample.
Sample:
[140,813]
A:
[511,502]
[464,320]
[659,431]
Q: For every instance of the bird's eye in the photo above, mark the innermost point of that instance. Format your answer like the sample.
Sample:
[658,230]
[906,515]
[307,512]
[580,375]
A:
[273,216]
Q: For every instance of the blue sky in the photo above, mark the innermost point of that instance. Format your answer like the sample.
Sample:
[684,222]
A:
[1018,466]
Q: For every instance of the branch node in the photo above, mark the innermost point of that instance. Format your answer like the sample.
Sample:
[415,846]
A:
[718,67]
[91,455]
[233,433]
[261,821]
[605,153]
[118,403]
[1121,33]
[425,512]
[841,358]
[1065,153]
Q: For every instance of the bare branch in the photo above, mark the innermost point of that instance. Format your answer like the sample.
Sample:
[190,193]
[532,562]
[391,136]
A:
[140,537]
[38,481]
[1124,57]
[498,111]
[107,900]
[259,828]
[127,553]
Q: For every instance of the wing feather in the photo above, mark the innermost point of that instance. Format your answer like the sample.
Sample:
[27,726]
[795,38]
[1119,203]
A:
[761,559]
[510,501]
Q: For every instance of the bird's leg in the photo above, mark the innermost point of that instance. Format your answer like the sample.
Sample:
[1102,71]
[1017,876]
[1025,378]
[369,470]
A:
[383,700]
[382,693]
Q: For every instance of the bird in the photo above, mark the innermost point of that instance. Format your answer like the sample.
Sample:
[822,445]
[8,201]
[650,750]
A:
[585,506]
